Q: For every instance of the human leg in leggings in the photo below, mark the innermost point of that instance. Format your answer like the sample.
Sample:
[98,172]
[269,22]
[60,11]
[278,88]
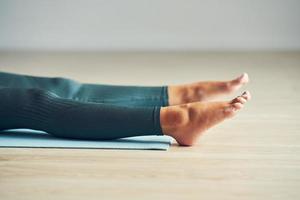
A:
[98,93]
[43,110]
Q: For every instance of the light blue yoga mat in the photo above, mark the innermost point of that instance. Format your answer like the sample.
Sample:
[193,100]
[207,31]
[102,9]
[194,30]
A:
[38,139]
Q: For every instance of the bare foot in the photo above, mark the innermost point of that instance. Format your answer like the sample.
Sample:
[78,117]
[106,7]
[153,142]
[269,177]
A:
[200,91]
[187,122]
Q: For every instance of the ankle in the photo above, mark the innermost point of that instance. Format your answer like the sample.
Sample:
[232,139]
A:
[180,94]
[174,95]
[172,118]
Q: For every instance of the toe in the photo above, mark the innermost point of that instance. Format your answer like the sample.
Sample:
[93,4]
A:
[237,83]
[246,95]
[232,108]
[237,106]
[241,100]
[242,79]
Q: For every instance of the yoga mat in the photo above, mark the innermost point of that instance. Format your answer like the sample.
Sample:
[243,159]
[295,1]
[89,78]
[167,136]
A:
[39,139]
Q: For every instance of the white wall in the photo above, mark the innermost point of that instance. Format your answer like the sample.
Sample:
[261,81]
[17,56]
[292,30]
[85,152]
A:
[150,24]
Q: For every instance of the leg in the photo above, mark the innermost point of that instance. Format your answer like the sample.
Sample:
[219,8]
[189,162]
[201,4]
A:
[70,89]
[43,110]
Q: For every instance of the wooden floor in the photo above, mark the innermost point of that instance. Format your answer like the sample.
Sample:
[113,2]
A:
[256,155]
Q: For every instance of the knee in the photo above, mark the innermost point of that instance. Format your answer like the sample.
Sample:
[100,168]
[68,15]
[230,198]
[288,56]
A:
[64,82]
[21,96]
[37,96]
[36,93]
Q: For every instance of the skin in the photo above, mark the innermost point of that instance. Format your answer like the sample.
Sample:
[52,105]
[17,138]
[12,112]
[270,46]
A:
[204,91]
[190,115]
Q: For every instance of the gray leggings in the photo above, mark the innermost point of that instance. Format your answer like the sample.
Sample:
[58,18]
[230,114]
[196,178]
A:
[66,108]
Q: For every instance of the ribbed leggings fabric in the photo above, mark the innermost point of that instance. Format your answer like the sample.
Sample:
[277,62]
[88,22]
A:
[66,108]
